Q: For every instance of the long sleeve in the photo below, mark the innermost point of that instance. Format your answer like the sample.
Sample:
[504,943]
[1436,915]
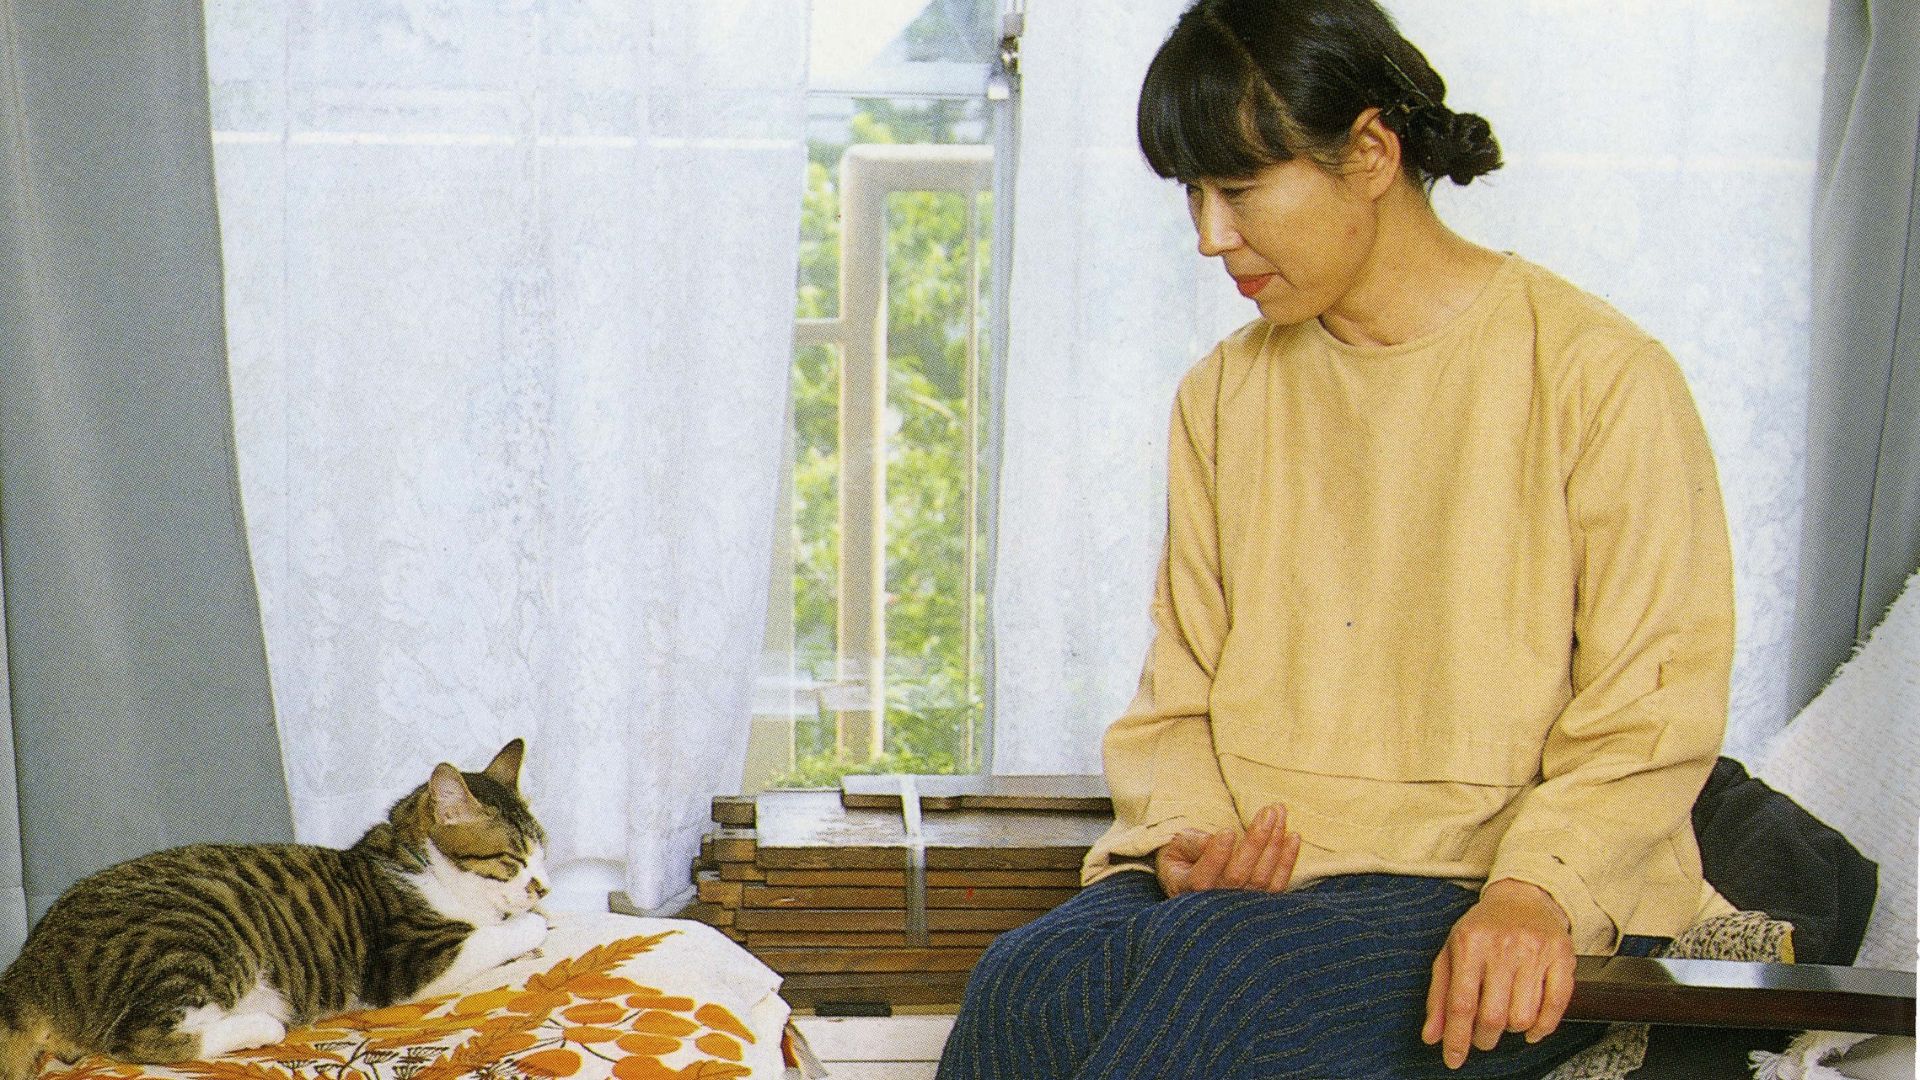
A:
[1161,763]
[1653,644]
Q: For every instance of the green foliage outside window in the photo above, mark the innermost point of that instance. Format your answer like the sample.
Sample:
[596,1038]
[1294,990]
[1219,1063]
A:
[933,693]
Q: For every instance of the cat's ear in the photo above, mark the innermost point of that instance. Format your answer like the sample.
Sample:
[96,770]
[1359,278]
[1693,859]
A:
[504,769]
[452,803]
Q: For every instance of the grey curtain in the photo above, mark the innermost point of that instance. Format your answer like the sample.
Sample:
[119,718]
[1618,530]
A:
[1862,535]
[137,694]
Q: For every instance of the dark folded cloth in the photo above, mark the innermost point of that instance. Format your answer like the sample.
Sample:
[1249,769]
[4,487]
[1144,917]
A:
[1764,852]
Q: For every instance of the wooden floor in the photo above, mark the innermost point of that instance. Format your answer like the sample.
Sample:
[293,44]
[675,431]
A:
[877,1048]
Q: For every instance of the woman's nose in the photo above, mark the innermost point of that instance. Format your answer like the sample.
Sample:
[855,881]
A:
[1213,221]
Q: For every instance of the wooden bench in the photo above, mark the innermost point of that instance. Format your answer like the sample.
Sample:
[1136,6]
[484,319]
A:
[866,901]
[1725,993]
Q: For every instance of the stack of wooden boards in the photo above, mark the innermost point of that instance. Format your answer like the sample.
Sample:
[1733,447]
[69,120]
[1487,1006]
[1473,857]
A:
[861,899]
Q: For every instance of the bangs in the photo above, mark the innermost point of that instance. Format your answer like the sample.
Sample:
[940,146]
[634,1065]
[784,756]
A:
[1206,111]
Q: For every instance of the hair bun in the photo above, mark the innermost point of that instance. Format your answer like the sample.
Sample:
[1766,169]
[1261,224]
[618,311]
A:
[1458,146]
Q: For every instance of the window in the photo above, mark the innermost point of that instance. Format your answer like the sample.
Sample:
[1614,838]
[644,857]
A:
[877,631]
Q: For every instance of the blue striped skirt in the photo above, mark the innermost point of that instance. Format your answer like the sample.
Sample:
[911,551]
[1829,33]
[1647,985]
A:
[1325,982]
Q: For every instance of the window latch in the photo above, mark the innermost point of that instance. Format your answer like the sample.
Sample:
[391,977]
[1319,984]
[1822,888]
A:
[1012,25]
[1000,85]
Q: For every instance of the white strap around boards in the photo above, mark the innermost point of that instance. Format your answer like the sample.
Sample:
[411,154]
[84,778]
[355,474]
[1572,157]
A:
[916,863]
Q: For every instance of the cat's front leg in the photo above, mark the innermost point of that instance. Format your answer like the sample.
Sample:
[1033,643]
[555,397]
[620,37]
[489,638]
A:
[489,947]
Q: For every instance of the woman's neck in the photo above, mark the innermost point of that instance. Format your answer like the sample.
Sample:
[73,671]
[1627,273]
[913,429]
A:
[1418,276]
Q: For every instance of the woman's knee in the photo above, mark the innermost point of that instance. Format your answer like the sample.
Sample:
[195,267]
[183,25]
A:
[1026,960]
[1019,954]
[1008,953]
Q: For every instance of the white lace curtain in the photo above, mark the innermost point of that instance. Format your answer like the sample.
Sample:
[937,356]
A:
[1660,155]
[510,291]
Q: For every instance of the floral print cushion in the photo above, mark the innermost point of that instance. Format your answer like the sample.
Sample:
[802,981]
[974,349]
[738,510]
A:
[604,996]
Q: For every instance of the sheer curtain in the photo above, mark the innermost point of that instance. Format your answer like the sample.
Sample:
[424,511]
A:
[1109,305]
[1660,155]
[511,298]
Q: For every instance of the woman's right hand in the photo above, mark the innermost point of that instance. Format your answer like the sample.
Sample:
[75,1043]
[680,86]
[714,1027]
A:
[1261,858]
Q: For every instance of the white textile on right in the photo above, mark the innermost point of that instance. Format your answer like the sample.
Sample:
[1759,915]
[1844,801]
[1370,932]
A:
[1852,758]
[1833,1055]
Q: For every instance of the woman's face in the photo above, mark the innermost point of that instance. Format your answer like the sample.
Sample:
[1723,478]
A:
[1295,236]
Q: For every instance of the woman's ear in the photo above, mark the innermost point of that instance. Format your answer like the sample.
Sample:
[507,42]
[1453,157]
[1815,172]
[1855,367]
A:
[1373,154]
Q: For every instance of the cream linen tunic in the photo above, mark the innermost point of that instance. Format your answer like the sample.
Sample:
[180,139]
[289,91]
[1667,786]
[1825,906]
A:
[1463,605]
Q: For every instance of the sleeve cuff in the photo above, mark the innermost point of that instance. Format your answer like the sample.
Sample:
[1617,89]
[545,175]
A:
[1131,847]
[1594,931]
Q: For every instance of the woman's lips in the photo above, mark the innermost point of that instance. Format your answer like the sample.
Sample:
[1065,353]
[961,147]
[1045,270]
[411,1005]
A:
[1249,286]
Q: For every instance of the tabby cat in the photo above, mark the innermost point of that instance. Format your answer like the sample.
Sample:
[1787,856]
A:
[199,951]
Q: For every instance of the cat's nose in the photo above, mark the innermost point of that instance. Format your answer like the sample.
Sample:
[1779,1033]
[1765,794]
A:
[536,888]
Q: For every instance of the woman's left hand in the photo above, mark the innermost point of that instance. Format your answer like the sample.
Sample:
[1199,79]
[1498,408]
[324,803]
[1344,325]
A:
[1507,966]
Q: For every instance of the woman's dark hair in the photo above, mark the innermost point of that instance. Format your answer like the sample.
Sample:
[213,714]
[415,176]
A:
[1243,84]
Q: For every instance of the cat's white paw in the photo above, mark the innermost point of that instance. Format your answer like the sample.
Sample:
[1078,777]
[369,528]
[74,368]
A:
[257,1019]
[241,1031]
[523,933]
[487,948]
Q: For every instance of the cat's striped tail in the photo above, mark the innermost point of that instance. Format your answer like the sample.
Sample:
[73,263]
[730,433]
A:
[25,1035]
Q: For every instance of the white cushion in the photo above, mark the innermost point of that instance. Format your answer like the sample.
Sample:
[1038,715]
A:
[1852,758]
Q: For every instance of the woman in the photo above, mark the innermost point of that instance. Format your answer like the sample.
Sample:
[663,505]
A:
[1444,621]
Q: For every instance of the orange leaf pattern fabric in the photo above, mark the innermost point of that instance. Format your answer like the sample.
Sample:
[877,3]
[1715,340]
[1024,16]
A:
[719,1046]
[604,996]
[661,1022]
